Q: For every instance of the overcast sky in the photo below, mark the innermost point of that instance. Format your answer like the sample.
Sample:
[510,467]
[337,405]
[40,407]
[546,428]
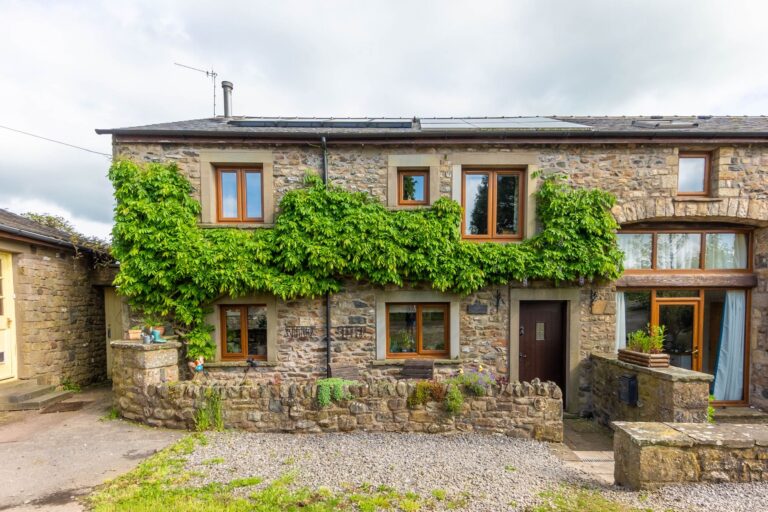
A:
[67,67]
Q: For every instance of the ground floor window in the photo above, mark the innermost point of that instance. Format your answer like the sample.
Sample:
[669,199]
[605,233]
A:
[244,331]
[705,330]
[417,329]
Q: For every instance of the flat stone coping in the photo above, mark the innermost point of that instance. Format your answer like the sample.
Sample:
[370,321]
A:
[401,362]
[730,435]
[237,364]
[672,373]
[145,347]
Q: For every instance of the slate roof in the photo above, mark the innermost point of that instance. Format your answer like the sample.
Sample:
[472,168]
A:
[23,227]
[550,126]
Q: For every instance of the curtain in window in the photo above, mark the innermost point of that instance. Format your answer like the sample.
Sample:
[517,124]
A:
[678,250]
[621,321]
[726,250]
[637,249]
[729,369]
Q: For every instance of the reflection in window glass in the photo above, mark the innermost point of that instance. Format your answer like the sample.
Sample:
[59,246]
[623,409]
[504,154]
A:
[433,328]
[402,328]
[678,250]
[229,195]
[414,188]
[726,250]
[692,175]
[476,195]
[253,195]
[637,249]
[233,334]
[666,294]
[638,310]
[257,331]
[507,207]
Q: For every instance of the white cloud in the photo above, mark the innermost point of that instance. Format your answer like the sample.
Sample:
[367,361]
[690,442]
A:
[82,225]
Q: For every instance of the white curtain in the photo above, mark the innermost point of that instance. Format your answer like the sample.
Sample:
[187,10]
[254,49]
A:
[621,321]
[726,250]
[729,370]
[678,250]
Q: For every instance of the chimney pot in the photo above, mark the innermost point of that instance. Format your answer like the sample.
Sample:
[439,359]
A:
[227,88]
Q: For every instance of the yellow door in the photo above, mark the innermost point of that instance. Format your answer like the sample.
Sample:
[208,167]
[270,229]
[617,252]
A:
[7,323]
[113,319]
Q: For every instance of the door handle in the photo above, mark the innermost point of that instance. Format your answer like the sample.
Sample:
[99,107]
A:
[523,356]
[522,330]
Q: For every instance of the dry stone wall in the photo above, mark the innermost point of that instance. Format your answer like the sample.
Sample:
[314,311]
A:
[146,387]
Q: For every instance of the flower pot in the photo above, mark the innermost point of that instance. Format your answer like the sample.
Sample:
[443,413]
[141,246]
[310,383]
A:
[643,359]
[134,334]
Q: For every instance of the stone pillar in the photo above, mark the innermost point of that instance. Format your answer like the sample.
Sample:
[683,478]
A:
[136,367]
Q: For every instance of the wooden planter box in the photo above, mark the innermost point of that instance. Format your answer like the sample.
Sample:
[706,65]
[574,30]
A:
[643,359]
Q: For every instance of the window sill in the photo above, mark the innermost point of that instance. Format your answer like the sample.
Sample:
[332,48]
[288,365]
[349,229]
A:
[238,364]
[401,362]
[696,199]
[236,225]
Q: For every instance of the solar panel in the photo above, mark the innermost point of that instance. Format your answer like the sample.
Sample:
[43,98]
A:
[500,123]
[311,122]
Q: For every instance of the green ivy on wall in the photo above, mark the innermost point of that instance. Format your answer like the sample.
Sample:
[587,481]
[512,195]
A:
[170,266]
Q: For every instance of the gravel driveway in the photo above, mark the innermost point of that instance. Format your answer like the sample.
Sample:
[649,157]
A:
[494,472]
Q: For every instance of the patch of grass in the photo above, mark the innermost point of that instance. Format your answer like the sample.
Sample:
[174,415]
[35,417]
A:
[439,494]
[213,461]
[68,385]
[509,468]
[162,483]
[209,415]
[112,414]
[575,499]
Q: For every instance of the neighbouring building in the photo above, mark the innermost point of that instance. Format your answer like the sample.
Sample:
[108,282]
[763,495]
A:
[692,204]
[52,308]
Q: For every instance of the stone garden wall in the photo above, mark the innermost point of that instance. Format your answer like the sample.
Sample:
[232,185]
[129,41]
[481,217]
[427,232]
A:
[664,394]
[146,386]
[649,455]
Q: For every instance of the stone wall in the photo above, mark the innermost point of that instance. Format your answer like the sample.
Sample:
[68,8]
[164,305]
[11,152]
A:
[665,394]
[758,327]
[649,455]
[59,317]
[147,390]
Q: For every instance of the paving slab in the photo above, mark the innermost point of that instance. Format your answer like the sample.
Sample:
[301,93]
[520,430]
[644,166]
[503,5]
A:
[49,460]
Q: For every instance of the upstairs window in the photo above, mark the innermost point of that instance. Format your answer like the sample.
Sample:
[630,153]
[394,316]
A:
[240,195]
[493,204]
[693,174]
[412,187]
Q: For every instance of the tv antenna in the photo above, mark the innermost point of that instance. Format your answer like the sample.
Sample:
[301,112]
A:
[212,74]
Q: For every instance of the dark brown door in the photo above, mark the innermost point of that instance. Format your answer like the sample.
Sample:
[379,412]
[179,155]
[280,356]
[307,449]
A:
[542,341]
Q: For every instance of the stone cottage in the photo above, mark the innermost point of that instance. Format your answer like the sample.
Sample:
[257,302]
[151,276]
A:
[52,323]
[692,204]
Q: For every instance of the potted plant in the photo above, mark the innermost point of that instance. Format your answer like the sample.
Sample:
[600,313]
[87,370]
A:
[644,348]
[154,323]
[134,333]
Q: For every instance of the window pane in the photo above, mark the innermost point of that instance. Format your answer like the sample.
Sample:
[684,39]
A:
[402,328]
[233,334]
[229,195]
[414,187]
[638,311]
[476,207]
[637,249]
[257,331]
[253,195]
[692,174]
[726,250]
[433,328]
[507,207]
[678,250]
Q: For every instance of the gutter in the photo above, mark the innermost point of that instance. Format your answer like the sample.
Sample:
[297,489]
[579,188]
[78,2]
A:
[41,238]
[324,144]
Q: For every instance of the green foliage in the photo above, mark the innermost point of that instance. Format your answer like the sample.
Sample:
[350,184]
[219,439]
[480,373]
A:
[570,498]
[476,382]
[208,415]
[171,267]
[454,400]
[332,390]
[650,341]
[426,391]
[96,244]
[69,385]
[710,410]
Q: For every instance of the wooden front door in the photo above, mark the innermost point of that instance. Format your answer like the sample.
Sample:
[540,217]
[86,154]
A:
[7,324]
[542,341]
[113,320]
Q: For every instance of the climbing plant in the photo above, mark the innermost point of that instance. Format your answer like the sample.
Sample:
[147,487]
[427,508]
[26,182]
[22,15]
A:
[171,266]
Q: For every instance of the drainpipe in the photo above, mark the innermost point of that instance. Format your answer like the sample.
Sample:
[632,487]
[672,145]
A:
[327,294]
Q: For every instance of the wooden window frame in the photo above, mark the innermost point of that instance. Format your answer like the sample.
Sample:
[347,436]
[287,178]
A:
[242,198]
[707,172]
[401,174]
[243,354]
[702,251]
[700,300]
[492,181]
[420,353]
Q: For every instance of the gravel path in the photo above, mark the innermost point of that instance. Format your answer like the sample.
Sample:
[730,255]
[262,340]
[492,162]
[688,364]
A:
[493,471]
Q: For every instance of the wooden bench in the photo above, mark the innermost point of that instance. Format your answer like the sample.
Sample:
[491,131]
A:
[347,372]
[418,369]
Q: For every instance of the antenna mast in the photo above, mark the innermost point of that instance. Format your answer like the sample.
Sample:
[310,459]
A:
[212,74]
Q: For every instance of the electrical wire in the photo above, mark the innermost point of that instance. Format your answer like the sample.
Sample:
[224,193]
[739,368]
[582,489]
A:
[56,141]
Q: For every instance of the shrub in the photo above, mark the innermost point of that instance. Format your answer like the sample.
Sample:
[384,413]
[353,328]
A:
[476,382]
[332,390]
[425,391]
[650,341]
[453,399]
[438,390]
[209,414]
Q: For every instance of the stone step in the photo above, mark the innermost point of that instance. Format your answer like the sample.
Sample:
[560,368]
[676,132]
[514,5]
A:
[18,392]
[37,402]
[740,415]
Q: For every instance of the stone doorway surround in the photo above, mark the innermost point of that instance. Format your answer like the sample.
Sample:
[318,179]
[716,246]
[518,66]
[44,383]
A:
[572,298]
